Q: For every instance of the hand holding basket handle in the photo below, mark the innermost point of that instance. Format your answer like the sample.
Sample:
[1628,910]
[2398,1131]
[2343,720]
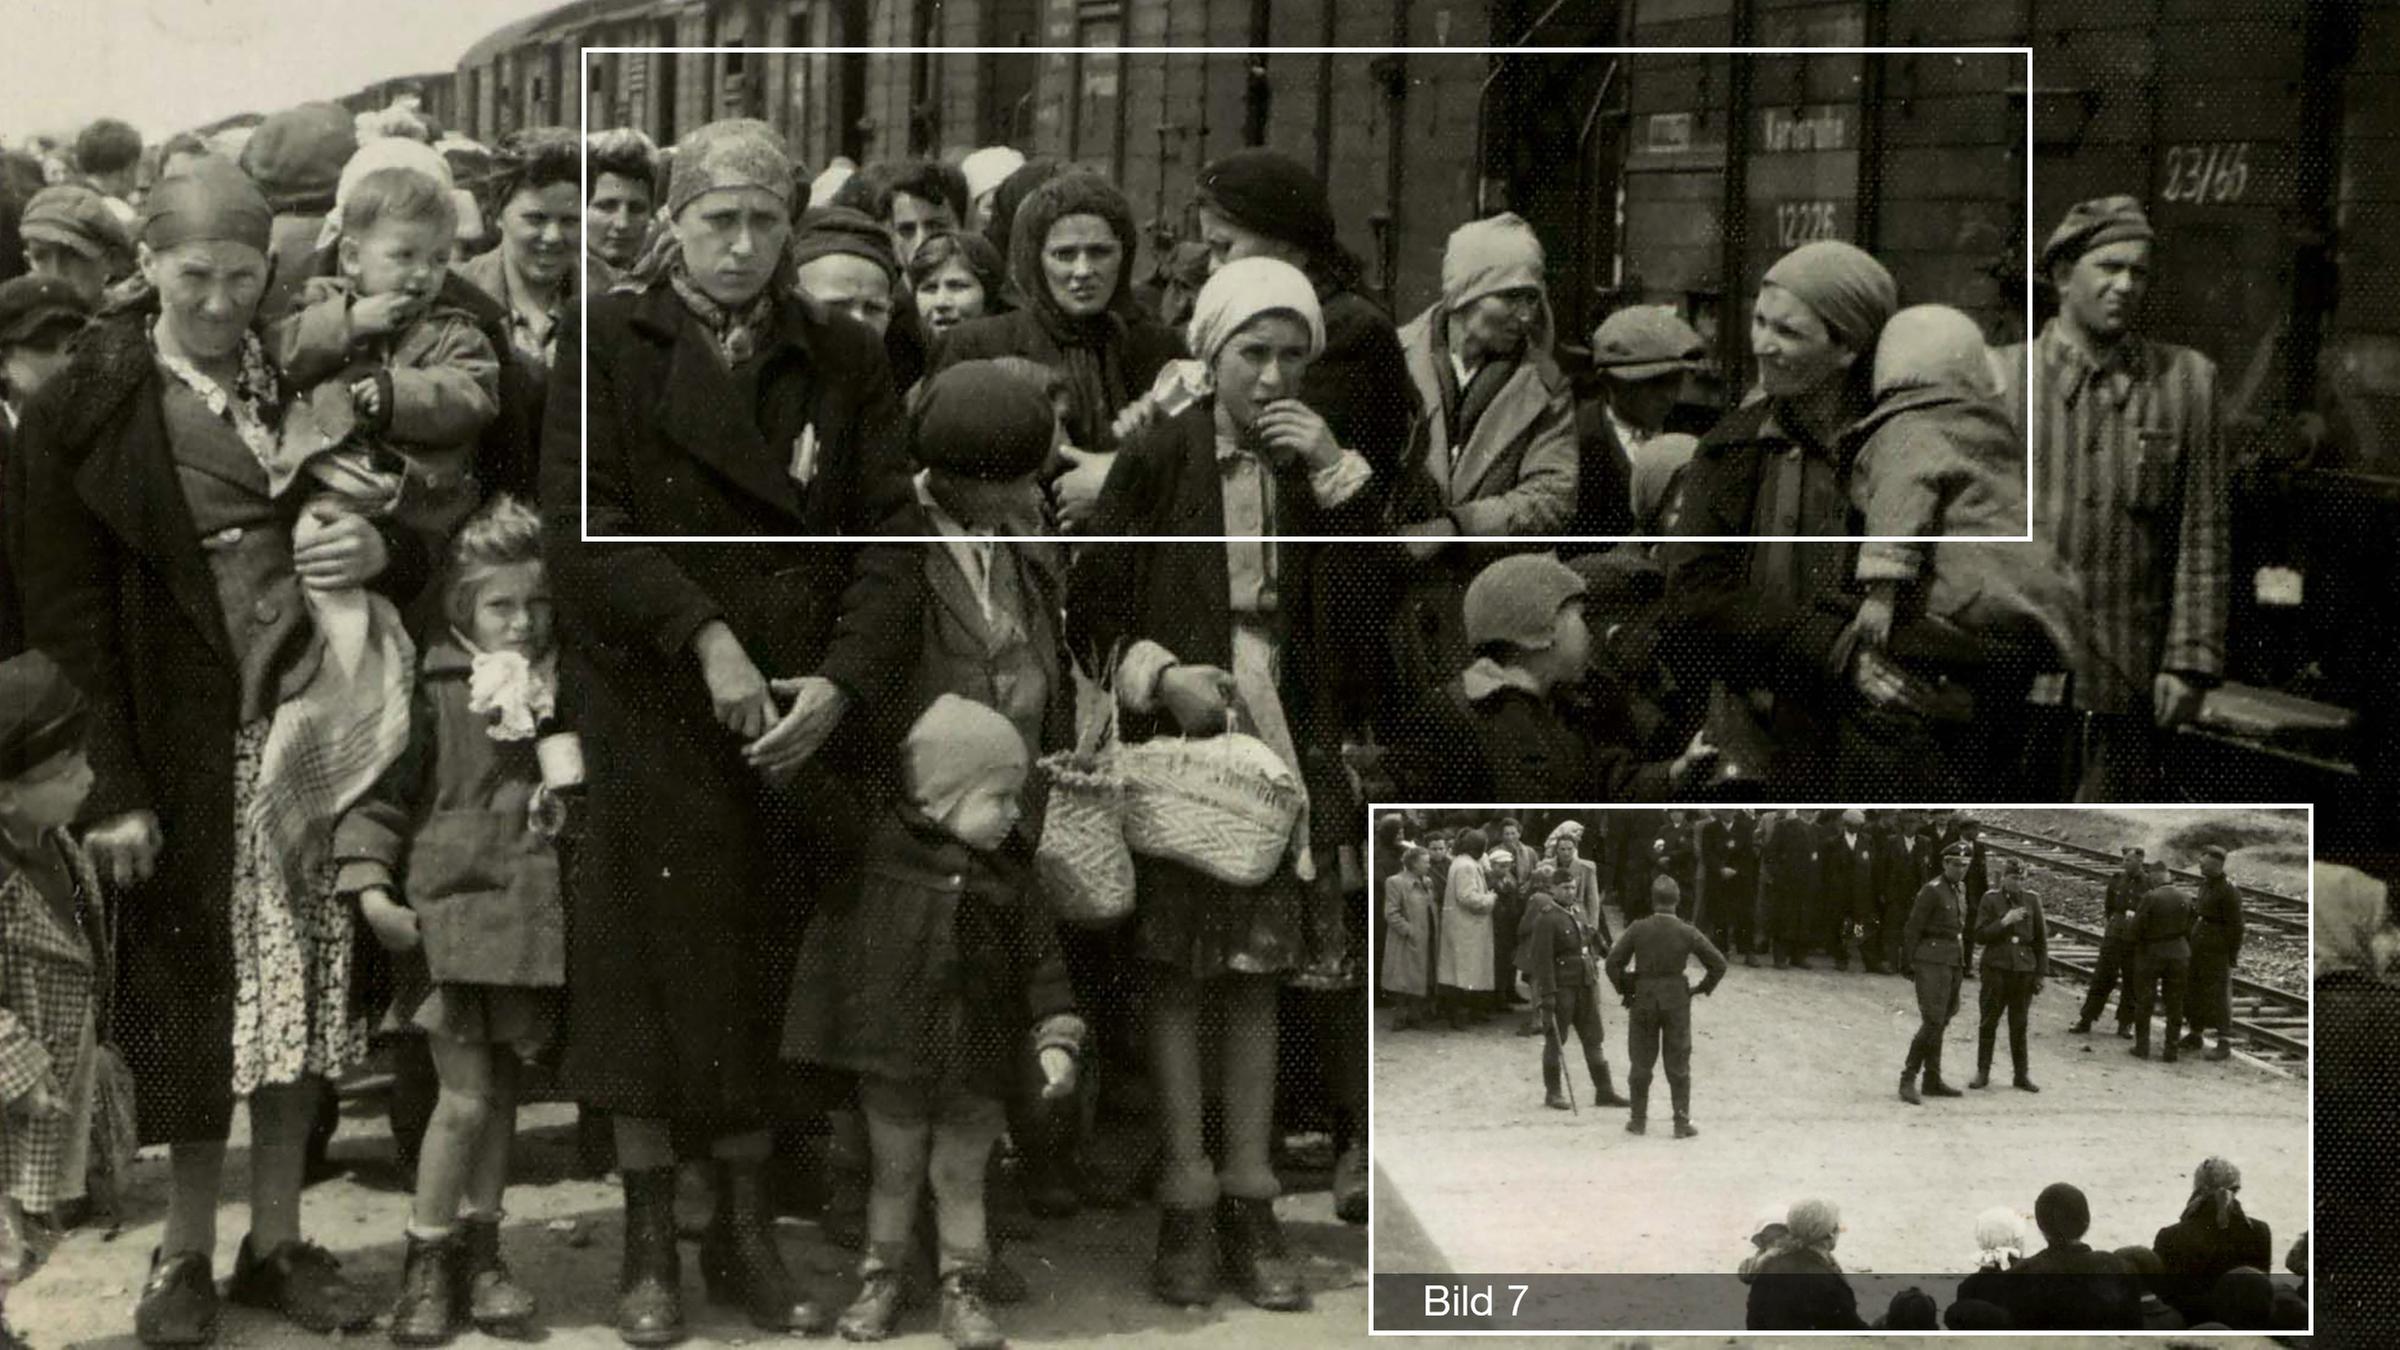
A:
[1200,698]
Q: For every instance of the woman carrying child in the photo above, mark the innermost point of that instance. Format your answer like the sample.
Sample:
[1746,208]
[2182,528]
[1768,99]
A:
[1188,634]
[166,581]
[453,865]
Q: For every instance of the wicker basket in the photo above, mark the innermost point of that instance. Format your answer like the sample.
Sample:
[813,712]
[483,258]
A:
[1222,805]
[1085,866]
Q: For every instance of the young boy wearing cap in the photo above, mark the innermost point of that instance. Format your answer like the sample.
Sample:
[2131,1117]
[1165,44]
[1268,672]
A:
[53,957]
[1497,732]
[71,234]
[1642,353]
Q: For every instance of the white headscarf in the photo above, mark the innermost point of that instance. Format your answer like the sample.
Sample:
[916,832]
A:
[1241,291]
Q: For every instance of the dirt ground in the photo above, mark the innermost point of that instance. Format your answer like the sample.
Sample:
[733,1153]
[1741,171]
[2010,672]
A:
[562,1236]
[1795,1076]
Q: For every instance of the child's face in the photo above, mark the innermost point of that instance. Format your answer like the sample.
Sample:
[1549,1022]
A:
[48,796]
[991,809]
[398,255]
[512,610]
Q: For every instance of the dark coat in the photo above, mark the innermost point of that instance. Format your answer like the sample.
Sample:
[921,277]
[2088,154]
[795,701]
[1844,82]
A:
[1145,346]
[1903,864]
[122,596]
[1848,870]
[2023,945]
[2352,1248]
[1716,625]
[1510,746]
[12,543]
[2073,1288]
[1166,483]
[1790,860]
[2195,1251]
[508,456]
[1359,384]
[695,872]
[934,968]
[1603,479]
[1799,1291]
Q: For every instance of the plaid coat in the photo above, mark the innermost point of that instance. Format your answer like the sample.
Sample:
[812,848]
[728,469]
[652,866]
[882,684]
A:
[52,975]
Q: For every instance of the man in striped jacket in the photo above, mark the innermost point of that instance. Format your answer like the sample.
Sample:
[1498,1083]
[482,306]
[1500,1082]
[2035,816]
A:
[2131,482]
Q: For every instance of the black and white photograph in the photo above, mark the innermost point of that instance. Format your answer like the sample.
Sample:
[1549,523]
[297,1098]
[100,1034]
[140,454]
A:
[705,671]
[1806,1061]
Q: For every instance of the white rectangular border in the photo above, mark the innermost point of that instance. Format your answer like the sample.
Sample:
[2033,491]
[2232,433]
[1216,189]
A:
[2308,809]
[583,329]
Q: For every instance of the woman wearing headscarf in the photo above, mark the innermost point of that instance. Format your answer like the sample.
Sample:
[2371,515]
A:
[1494,454]
[166,581]
[1999,1246]
[1768,615]
[2354,1244]
[1070,268]
[714,686]
[1192,636]
[1800,1286]
[534,199]
[2212,1237]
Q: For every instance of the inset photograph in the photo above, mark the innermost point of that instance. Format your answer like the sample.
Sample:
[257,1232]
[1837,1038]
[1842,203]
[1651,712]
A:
[1824,1069]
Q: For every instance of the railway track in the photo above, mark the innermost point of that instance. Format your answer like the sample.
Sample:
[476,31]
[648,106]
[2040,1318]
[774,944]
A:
[2268,909]
[2273,1023]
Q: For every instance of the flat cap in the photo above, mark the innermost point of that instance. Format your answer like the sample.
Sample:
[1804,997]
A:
[1641,342]
[2094,224]
[73,216]
[31,306]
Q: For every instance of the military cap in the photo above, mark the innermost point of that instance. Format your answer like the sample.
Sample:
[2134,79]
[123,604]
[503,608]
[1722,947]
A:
[1961,849]
[2216,851]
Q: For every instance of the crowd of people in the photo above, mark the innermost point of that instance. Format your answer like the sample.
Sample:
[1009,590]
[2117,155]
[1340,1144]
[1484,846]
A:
[2209,1270]
[1478,921]
[373,727]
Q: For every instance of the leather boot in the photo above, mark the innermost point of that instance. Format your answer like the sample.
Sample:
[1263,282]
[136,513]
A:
[1604,1087]
[966,1323]
[426,1312]
[1556,1100]
[1350,1183]
[741,1263]
[179,1301]
[1252,1257]
[1934,1086]
[1679,1090]
[1637,1121]
[304,1283]
[2223,1051]
[1908,1088]
[650,1287]
[496,1303]
[875,1313]
[1983,1062]
[1185,1270]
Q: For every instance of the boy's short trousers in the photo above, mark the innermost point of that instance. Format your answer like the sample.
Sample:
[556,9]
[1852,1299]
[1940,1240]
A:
[915,1102]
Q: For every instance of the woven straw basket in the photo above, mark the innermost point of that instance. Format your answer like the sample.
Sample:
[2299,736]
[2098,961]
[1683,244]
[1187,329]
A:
[1222,805]
[1083,862]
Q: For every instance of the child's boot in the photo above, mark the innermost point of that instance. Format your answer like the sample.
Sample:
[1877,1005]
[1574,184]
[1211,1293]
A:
[498,1305]
[428,1308]
[1185,1269]
[1255,1261]
[875,1313]
[966,1322]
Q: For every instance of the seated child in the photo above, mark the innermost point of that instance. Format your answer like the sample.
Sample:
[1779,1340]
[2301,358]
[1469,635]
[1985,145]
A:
[453,862]
[53,962]
[395,385]
[1940,457]
[926,982]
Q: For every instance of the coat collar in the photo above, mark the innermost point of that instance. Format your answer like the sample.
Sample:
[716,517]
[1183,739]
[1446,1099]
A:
[110,399]
[1528,393]
[703,410]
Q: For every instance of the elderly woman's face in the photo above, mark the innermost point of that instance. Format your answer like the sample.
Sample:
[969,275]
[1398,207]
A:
[618,216]
[1231,242]
[731,239]
[950,297]
[1797,353]
[1260,364]
[540,231]
[208,293]
[854,285]
[1500,323]
[1081,260]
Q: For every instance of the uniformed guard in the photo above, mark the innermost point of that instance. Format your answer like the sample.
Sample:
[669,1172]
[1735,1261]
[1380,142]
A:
[2162,969]
[1558,964]
[2115,966]
[2016,957]
[2216,945]
[1646,967]
[1933,939]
